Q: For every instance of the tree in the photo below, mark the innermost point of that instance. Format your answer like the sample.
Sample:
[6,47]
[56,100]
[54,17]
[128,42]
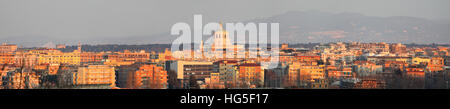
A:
[193,82]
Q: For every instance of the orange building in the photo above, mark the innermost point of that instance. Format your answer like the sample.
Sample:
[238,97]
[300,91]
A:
[27,59]
[340,73]
[142,76]
[293,77]
[312,72]
[310,60]
[443,51]
[286,58]
[299,74]
[251,74]
[141,56]
[53,56]
[6,58]
[214,82]
[415,72]
[368,84]
[307,58]
[95,75]
[378,47]
[88,57]
[377,59]
[7,48]
[112,57]
[436,64]
[51,68]
[284,46]
[395,65]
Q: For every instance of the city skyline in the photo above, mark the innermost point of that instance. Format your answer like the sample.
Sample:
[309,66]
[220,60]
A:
[336,65]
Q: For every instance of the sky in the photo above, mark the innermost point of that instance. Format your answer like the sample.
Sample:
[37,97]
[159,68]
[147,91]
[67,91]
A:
[85,19]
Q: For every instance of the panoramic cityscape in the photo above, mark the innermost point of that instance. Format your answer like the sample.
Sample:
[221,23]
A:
[340,65]
[151,44]
[224,53]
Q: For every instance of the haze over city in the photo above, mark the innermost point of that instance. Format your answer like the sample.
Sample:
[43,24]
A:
[108,44]
[34,23]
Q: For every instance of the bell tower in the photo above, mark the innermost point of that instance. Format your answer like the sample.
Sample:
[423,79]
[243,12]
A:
[79,47]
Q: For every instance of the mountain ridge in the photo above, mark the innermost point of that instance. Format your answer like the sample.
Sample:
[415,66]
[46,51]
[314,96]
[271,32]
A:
[302,27]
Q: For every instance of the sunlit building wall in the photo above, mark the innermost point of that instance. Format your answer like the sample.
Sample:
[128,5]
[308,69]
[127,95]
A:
[95,75]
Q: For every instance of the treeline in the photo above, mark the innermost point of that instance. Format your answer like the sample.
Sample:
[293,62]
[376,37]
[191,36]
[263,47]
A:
[162,47]
[116,47]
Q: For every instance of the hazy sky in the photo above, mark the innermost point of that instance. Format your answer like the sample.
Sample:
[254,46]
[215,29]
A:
[121,18]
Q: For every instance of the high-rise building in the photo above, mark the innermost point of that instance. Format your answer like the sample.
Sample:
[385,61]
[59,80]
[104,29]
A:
[436,64]
[189,70]
[228,72]
[251,75]
[213,82]
[54,56]
[95,75]
[8,48]
[142,76]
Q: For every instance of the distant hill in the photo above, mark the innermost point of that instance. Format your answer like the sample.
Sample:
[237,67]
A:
[304,27]
[318,27]
[313,26]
